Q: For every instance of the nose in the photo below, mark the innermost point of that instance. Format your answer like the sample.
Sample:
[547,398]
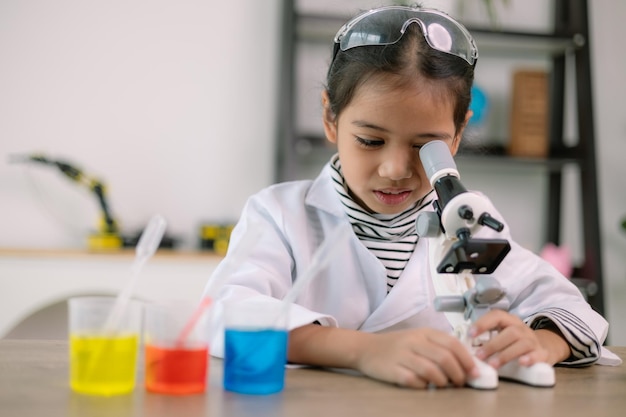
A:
[397,165]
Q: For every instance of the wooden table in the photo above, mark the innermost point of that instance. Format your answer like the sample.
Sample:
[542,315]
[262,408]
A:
[34,382]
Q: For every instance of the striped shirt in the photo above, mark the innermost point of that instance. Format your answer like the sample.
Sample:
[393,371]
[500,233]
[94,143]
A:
[584,347]
[390,237]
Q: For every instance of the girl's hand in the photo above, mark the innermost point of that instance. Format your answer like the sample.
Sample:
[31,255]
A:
[515,340]
[416,358]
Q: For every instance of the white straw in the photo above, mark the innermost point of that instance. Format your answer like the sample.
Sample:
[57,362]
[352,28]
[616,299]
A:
[325,253]
[146,247]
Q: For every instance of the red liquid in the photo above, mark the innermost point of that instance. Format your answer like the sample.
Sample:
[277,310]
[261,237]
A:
[176,371]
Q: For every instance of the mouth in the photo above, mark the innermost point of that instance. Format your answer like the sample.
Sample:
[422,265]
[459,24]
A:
[392,197]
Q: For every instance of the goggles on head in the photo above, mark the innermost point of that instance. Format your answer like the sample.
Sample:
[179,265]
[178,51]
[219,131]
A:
[386,25]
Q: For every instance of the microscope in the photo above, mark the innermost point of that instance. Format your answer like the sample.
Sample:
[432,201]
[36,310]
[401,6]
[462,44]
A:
[461,264]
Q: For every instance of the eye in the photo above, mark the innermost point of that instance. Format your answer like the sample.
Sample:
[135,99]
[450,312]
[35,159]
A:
[369,143]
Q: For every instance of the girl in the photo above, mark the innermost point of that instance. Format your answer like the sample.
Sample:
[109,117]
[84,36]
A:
[399,78]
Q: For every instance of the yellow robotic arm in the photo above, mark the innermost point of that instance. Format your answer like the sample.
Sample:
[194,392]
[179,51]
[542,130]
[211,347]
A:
[107,235]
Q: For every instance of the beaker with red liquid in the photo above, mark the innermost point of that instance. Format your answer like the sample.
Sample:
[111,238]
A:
[173,364]
[171,370]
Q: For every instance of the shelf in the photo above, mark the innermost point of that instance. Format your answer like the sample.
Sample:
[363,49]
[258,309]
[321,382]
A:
[520,42]
[121,254]
[314,147]
[549,164]
[322,29]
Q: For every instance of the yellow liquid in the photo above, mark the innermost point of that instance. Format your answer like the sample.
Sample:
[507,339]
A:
[103,365]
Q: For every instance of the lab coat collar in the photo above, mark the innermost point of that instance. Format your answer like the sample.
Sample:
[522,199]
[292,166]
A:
[323,196]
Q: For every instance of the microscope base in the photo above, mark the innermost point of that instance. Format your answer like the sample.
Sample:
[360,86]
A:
[488,378]
[537,375]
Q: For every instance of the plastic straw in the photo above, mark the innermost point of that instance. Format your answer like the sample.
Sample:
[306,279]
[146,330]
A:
[146,247]
[321,259]
[193,320]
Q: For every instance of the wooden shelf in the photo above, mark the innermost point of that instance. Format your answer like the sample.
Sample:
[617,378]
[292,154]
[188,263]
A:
[161,254]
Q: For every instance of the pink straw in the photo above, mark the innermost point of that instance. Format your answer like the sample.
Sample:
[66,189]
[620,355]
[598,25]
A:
[191,323]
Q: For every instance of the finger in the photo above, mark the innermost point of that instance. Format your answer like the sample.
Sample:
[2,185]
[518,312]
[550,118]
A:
[525,343]
[452,357]
[449,367]
[406,377]
[419,372]
[493,320]
[427,368]
[532,357]
[509,344]
[452,344]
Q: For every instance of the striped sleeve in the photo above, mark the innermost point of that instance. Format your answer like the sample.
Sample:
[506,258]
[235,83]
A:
[584,346]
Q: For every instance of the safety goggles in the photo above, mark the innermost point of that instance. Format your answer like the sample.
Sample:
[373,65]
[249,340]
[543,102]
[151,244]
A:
[386,25]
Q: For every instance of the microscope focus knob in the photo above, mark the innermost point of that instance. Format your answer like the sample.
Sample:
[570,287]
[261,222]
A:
[427,224]
[488,290]
[465,212]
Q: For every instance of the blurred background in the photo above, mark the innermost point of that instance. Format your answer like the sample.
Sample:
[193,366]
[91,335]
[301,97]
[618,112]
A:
[174,107]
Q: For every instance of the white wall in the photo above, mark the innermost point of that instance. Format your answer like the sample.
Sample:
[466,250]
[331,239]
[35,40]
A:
[170,103]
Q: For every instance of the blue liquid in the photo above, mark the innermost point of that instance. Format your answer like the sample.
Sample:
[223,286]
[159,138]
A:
[254,361]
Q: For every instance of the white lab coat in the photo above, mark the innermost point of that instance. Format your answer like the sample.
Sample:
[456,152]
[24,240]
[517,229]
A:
[352,292]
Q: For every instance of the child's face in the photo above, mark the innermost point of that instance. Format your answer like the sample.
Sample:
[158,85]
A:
[378,136]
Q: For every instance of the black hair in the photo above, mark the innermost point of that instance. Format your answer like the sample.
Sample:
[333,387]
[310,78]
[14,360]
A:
[409,58]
